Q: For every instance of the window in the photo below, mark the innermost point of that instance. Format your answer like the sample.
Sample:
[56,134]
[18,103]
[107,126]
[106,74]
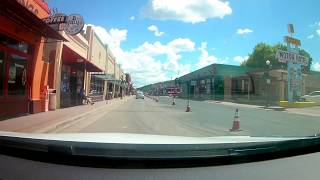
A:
[2,71]
[315,94]
[15,44]
[17,76]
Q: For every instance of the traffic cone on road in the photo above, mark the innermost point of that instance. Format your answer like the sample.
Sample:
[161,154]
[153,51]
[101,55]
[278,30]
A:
[173,101]
[188,107]
[236,122]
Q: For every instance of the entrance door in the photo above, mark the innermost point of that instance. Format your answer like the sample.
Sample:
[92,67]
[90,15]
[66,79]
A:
[73,90]
[13,83]
[2,73]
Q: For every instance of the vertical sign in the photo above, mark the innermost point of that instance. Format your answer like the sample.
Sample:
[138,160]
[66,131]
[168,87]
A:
[294,72]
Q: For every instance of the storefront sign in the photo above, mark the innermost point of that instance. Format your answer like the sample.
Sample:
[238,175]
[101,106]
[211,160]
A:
[193,83]
[285,57]
[37,7]
[56,19]
[73,24]
[291,40]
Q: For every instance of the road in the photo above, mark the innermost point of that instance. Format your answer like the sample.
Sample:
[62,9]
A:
[206,119]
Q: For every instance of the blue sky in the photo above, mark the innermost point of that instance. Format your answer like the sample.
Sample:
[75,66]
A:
[161,39]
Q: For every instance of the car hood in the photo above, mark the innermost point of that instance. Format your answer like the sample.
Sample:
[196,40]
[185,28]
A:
[127,138]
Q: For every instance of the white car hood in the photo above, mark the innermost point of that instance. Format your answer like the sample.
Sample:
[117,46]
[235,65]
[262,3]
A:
[125,138]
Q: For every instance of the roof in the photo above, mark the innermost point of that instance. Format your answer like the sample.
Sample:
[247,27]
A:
[218,70]
[22,16]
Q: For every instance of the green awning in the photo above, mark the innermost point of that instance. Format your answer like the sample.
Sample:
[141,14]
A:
[106,77]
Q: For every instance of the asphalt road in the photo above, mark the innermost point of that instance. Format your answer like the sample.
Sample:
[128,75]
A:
[206,119]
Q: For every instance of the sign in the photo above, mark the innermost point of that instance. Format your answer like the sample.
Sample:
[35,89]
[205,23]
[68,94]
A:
[173,90]
[74,24]
[294,81]
[56,19]
[285,57]
[291,40]
[290,28]
[37,7]
[193,83]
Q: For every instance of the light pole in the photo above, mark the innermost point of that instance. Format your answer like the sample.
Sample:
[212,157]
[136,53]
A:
[268,81]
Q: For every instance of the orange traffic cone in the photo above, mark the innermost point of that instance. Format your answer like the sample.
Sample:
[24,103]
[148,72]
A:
[236,122]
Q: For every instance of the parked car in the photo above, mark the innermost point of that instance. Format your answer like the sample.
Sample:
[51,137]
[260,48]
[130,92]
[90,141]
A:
[313,97]
[139,95]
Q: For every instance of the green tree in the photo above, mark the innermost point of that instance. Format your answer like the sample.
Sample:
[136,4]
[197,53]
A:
[263,52]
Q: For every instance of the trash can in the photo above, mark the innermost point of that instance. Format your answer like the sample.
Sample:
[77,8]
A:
[52,99]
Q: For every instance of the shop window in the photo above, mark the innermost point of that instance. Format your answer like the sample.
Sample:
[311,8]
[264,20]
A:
[15,44]
[17,76]
[2,71]
[65,79]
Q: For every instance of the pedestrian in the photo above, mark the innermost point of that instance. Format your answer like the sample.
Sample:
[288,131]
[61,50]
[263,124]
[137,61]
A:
[86,98]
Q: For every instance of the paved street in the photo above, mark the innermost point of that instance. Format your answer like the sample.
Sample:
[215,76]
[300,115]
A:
[206,119]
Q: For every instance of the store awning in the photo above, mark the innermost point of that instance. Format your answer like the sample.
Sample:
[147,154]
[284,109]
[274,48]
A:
[116,82]
[71,57]
[14,11]
[106,77]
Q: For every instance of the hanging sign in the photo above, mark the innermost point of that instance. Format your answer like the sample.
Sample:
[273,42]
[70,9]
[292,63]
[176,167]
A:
[72,24]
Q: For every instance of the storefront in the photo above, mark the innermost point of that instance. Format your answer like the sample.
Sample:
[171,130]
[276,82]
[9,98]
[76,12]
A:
[102,86]
[23,73]
[73,80]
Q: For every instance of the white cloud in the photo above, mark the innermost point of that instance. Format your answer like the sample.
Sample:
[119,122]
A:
[318,32]
[205,58]
[113,37]
[132,18]
[190,11]
[142,62]
[316,66]
[155,30]
[240,59]
[244,31]
[310,36]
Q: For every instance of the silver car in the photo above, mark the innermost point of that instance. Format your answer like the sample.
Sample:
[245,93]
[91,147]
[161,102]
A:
[139,95]
[312,97]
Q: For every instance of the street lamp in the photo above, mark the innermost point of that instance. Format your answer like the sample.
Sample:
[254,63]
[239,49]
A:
[268,81]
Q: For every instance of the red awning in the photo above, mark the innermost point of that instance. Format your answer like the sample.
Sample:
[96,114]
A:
[14,11]
[71,57]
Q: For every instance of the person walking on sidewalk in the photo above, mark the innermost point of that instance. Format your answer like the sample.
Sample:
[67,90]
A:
[86,98]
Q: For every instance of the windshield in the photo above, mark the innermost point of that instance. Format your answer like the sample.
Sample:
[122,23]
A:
[197,68]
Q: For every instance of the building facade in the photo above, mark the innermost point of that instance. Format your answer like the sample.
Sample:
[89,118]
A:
[23,70]
[235,83]
[97,54]
[69,70]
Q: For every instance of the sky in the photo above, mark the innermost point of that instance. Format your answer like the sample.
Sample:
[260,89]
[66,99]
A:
[158,40]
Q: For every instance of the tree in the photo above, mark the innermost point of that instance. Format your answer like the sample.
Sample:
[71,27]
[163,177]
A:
[263,52]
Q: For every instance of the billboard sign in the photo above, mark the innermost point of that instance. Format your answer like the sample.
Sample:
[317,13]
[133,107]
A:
[292,40]
[286,56]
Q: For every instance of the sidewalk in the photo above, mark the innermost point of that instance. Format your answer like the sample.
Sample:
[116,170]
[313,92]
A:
[45,121]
